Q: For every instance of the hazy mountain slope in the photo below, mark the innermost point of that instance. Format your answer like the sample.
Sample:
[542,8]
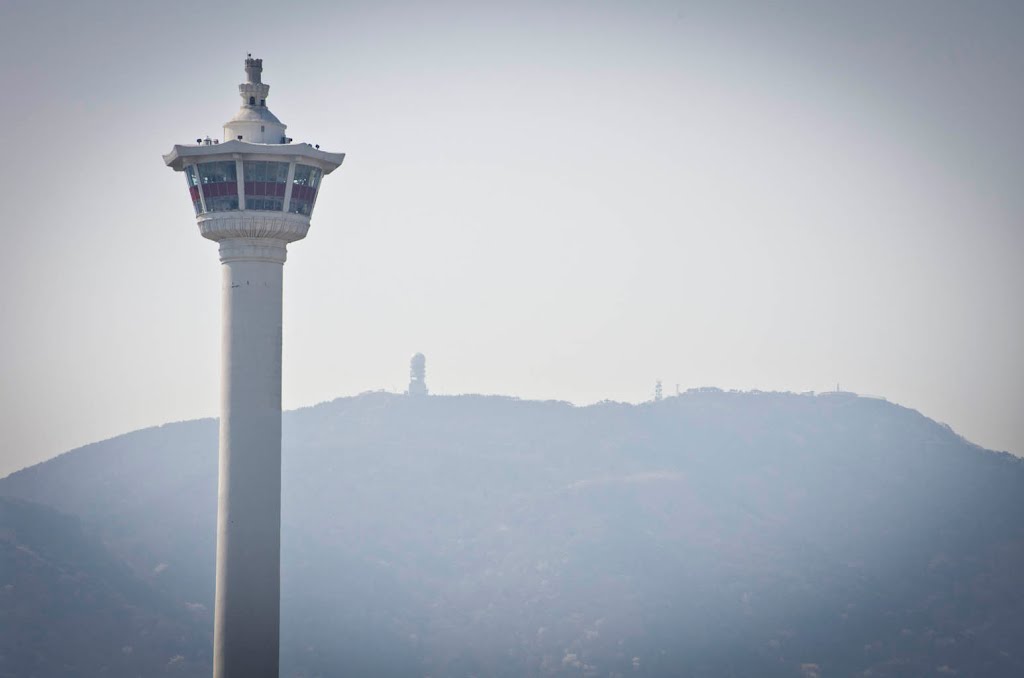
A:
[759,534]
[68,608]
[152,493]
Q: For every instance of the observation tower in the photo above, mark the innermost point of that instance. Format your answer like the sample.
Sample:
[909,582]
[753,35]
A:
[253,193]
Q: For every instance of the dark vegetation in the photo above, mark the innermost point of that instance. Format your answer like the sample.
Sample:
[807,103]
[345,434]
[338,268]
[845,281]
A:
[710,534]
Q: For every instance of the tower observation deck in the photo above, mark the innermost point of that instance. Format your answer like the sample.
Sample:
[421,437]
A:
[253,193]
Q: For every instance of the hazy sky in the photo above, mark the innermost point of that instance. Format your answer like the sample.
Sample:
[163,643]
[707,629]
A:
[561,200]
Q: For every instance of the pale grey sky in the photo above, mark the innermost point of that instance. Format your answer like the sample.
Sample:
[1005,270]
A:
[560,200]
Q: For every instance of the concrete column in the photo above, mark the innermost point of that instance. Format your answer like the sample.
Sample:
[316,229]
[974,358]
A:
[246,643]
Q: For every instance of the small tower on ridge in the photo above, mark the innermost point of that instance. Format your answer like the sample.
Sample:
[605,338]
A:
[418,375]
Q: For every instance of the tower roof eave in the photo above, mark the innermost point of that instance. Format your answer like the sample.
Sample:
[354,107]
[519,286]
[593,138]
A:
[178,156]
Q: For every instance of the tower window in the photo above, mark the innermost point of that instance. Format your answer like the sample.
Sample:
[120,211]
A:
[220,185]
[263,102]
[264,184]
[193,187]
[306,181]
[252,101]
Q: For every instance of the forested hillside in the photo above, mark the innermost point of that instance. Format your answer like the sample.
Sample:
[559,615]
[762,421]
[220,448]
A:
[706,534]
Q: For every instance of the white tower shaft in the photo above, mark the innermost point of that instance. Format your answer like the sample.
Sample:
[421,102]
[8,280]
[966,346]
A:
[249,509]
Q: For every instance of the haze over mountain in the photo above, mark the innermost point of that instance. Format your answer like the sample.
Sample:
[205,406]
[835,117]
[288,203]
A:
[713,533]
